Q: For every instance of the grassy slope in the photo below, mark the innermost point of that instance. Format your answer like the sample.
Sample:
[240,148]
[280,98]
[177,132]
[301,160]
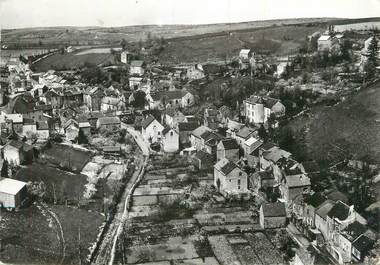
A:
[347,128]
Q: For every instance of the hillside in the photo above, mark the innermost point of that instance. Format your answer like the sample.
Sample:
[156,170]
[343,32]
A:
[55,36]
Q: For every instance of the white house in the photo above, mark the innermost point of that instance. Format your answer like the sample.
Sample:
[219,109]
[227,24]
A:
[229,178]
[17,152]
[195,72]
[326,41]
[151,129]
[12,193]
[125,57]
[170,140]
[259,109]
[137,68]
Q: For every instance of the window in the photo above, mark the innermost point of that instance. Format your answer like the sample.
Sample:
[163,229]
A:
[171,133]
[239,182]
[240,173]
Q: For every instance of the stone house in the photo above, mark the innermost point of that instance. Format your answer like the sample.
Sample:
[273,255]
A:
[17,152]
[13,193]
[195,137]
[272,215]
[170,140]
[227,148]
[108,123]
[203,160]
[258,109]
[229,178]
[151,129]
[137,68]
[294,186]
[185,129]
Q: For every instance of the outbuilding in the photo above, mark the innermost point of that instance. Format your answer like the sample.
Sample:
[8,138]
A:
[12,193]
[273,215]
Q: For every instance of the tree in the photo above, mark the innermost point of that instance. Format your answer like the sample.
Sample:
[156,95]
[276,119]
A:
[140,99]
[373,50]
[263,133]
[123,44]
[82,138]
[4,169]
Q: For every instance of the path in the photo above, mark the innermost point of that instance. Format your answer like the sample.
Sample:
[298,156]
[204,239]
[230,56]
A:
[301,240]
[107,249]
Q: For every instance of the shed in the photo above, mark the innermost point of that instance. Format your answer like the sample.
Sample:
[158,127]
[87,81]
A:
[12,193]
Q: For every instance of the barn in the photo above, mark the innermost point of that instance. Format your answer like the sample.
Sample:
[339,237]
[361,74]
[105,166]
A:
[12,193]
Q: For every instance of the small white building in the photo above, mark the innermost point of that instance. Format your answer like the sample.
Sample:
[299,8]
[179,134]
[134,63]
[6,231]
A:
[151,129]
[125,57]
[229,178]
[170,140]
[137,68]
[259,109]
[326,41]
[12,193]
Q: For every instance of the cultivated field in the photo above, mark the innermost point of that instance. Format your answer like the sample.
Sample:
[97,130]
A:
[75,59]
[66,157]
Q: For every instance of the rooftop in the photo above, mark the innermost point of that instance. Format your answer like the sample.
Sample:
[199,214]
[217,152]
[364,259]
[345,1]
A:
[276,209]
[145,123]
[108,120]
[299,180]
[11,186]
[225,166]
[340,210]
[229,144]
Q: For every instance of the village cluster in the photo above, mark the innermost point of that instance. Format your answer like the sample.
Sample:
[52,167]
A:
[163,111]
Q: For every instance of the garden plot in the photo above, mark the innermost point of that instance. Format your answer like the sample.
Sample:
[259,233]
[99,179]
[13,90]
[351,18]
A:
[174,249]
[205,261]
[223,251]
[264,249]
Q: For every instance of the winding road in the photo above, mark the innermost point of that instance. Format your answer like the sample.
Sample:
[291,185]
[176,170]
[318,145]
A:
[107,249]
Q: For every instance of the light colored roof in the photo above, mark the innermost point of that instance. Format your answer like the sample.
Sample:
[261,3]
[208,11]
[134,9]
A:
[275,154]
[16,117]
[11,186]
[324,37]
[245,51]
[84,124]
[250,141]
[298,180]
[108,120]
[200,130]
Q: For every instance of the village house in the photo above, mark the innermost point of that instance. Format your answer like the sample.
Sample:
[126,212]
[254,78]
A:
[13,193]
[111,104]
[195,137]
[185,129]
[321,217]
[172,117]
[177,99]
[211,118]
[170,140]
[210,141]
[71,129]
[125,57]
[137,68]
[258,109]
[151,129]
[203,160]
[17,152]
[272,215]
[294,186]
[12,121]
[85,127]
[53,98]
[270,155]
[108,123]
[312,202]
[228,148]
[245,58]
[361,247]
[243,134]
[195,72]
[262,180]
[229,178]
[339,218]
[326,41]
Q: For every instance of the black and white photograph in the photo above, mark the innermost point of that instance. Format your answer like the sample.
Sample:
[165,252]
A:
[189,132]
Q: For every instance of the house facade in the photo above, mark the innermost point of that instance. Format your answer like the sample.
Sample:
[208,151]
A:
[272,215]
[229,178]
[170,140]
[151,130]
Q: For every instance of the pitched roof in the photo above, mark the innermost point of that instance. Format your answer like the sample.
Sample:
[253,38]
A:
[187,126]
[340,210]
[111,148]
[200,130]
[275,154]
[137,63]
[225,166]
[266,101]
[299,180]
[229,144]
[11,186]
[324,208]
[204,156]
[336,195]
[276,209]
[166,130]
[244,132]
[208,135]
[145,123]
[108,120]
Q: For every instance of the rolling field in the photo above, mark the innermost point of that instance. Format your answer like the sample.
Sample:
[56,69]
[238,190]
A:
[351,127]
[73,60]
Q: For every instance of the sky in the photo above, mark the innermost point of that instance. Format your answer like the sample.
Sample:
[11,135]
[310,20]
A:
[112,13]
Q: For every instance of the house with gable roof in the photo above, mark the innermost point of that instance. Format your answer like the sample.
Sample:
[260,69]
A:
[258,109]
[151,129]
[229,178]
[227,148]
[170,140]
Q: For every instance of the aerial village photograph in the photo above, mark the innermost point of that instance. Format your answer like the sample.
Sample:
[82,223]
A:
[178,132]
